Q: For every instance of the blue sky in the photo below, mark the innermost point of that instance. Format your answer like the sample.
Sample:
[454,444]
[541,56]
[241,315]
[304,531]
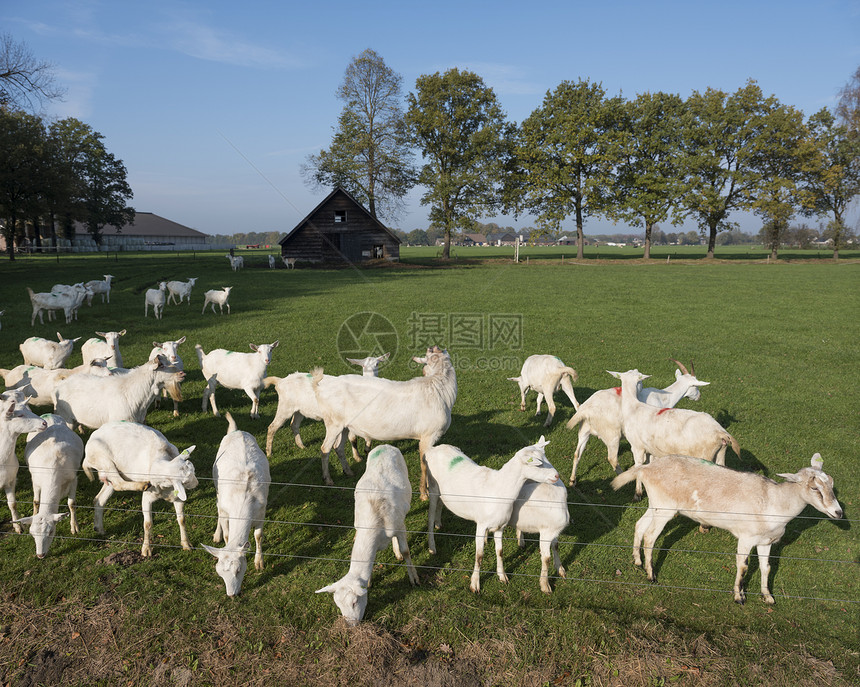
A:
[213,106]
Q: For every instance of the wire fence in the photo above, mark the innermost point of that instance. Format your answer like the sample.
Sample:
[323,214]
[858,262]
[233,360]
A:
[568,545]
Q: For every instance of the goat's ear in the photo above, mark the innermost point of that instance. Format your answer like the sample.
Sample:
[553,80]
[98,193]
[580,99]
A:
[253,347]
[699,382]
[211,549]
[60,337]
[791,477]
[384,357]
[155,344]
[56,517]
[178,341]
[121,333]
[77,338]
[246,547]
[330,589]
[275,344]
[354,361]
[817,461]
[617,375]
[24,521]
[101,334]
[678,374]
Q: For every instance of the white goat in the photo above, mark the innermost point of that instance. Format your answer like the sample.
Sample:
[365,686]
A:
[241,477]
[600,413]
[219,297]
[132,457]
[382,499]
[388,410]
[236,262]
[90,400]
[54,457]
[170,351]
[289,263]
[78,292]
[244,371]
[542,508]
[47,354]
[481,494]
[48,302]
[271,262]
[101,287]
[545,374]
[668,431]
[38,384]
[177,290]
[156,298]
[753,508]
[107,349]
[297,400]
[15,419]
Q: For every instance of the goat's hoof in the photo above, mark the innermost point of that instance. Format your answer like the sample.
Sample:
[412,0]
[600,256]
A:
[349,472]
[768,599]
[545,588]
[186,546]
[329,482]
[423,497]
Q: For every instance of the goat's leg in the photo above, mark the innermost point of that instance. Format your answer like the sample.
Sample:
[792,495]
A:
[73,507]
[281,416]
[332,434]
[10,501]
[539,401]
[146,507]
[295,425]
[550,404]
[480,543]
[744,546]
[255,401]
[582,442]
[763,551]
[179,507]
[658,522]
[401,546]
[567,387]
[99,507]
[500,564]
[546,555]
[209,392]
[258,548]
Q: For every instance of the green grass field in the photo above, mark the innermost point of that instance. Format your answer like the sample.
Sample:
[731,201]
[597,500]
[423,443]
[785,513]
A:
[778,342]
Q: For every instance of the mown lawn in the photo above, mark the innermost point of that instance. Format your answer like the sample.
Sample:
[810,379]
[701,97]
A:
[778,342]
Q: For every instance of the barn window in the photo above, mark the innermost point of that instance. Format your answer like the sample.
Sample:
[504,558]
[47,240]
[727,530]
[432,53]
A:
[378,251]
[340,216]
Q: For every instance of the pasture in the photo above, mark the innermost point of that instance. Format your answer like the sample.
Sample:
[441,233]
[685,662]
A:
[777,342]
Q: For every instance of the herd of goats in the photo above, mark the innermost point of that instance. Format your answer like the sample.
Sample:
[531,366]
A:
[678,454]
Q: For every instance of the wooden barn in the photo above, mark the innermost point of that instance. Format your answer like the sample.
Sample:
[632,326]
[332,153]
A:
[341,230]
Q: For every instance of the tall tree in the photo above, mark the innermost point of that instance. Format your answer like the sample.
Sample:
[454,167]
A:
[719,142]
[369,155]
[779,154]
[25,82]
[567,151]
[22,168]
[649,182]
[848,107]
[466,142]
[833,181]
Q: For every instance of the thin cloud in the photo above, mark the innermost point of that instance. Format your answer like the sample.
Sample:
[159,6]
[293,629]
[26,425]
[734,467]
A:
[505,79]
[207,43]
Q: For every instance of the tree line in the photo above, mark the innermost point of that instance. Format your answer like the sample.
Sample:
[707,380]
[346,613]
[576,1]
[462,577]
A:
[653,160]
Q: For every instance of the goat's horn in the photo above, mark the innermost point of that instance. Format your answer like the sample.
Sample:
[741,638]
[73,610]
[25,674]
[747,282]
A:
[680,366]
[692,369]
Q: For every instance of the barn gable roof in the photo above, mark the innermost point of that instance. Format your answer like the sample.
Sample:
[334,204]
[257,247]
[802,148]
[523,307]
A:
[325,201]
[146,224]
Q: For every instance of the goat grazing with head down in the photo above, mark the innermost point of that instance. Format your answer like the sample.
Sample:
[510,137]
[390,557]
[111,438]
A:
[54,457]
[481,494]
[241,477]
[388,410]
[15,419]
[600,414]
[382,498]
[753,508]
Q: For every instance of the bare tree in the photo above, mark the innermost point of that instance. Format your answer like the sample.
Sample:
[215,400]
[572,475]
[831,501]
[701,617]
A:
[25,82]
[848,107]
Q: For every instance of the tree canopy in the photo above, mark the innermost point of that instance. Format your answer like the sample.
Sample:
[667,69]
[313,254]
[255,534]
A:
[26,83]
[457,123]
[369,154]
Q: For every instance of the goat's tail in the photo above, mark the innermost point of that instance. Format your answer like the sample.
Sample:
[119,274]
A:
[316,377]
[200,353]
[30,291]
[271,381]
[87,470]
[575,420]
[231,423]
[627,477]
[568,376]
[735,446]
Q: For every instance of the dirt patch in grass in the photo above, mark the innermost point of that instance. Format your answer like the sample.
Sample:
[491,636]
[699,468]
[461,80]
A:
[108,643]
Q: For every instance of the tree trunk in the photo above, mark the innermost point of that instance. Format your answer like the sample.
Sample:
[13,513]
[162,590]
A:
[580,237]
[10,236]
[648,227]
[446,248]
[712,239]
